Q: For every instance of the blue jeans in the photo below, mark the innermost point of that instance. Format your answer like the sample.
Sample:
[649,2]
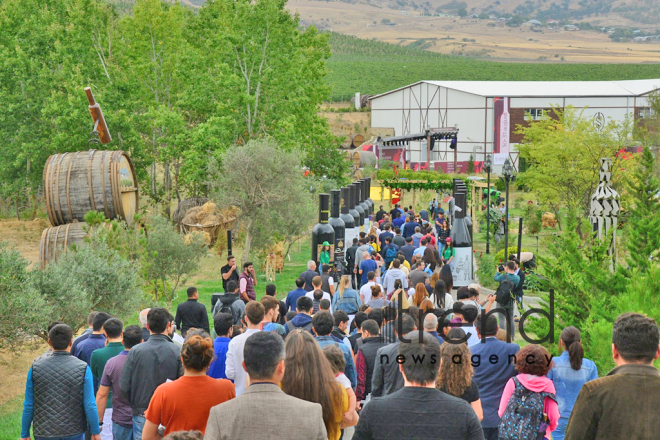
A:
[71,437]
[121,432]
[560,432]
[490,433]
[138,426]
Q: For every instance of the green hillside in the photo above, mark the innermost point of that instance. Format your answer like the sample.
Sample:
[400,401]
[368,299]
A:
[372,67]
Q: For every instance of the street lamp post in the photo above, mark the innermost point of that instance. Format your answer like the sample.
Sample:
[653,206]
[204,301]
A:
[509,176]
[488,164]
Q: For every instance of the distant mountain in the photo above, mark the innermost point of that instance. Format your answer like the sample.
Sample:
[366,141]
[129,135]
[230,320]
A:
[643,12]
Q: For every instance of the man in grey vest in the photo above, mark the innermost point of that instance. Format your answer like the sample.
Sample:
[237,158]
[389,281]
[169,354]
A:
[59,393]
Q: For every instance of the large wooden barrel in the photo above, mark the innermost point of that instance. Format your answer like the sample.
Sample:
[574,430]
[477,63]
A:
[75,183]
[366,158]
[357,140]
[54,241]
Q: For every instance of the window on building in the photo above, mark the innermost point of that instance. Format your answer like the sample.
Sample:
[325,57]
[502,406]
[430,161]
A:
[645,113]
[536,114]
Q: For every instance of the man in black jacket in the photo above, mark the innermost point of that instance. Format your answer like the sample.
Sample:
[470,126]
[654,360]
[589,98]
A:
[148,365]
[365,359]
[192,314]
[350,260]
[393,417]
[387,378]
[518,290]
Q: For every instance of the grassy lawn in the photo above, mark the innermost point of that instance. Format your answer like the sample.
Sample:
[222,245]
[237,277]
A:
[209,280]
[10,419]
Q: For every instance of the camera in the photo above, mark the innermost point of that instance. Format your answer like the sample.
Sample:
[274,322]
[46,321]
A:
[500,268]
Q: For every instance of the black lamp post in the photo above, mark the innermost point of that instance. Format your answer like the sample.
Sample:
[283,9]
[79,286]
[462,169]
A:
[488,165]
[509,176]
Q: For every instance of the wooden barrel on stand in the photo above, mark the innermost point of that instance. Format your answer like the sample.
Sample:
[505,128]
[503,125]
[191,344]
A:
[55,241]
[75,183]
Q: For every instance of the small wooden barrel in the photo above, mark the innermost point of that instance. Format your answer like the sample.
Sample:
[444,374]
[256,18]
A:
[54,241]
[346,142]
[75,183]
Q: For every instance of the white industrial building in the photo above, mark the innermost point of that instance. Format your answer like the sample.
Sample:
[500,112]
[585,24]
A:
[488,112]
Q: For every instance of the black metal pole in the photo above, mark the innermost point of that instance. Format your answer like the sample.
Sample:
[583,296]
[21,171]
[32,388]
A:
[488,214]
[506,222]
[229,244]
[520,226]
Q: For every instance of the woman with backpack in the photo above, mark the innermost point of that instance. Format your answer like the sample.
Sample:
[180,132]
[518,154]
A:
[347,299]
[570,372]
[528,408]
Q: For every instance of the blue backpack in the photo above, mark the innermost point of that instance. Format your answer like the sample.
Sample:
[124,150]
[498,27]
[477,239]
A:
[523,418]
[390,253]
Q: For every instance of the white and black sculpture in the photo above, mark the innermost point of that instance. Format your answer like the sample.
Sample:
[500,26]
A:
[605,206]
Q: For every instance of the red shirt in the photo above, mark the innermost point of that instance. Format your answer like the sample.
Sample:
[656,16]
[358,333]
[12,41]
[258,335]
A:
[428,237]
[185,404]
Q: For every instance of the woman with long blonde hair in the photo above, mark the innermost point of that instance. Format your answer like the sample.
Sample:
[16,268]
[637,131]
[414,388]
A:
[419,295]
[347,299]
[308,376]
[455,378]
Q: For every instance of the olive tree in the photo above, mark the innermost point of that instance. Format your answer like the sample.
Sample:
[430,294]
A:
[23,312]
[266,186]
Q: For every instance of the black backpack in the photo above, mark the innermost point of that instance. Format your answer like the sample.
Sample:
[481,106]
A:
[504,292]
[226,301]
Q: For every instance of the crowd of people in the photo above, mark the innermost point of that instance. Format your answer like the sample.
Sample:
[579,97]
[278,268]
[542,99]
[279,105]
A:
[389,351]
[388,376]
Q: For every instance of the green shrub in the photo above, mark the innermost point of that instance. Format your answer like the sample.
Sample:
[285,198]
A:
[499,256]
[91,276]
[486,268]
[23,312]
[171,257]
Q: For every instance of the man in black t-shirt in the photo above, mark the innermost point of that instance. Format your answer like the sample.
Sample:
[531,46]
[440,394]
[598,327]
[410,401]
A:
[229,272]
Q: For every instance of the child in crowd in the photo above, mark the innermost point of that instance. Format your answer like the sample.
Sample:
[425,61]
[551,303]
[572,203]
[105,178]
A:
[338,364]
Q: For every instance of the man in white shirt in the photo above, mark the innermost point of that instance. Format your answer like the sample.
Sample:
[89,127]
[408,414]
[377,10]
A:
[365,291]
[254,314]
[316,284]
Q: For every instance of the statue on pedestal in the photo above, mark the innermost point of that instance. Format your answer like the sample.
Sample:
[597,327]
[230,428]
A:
[605,206]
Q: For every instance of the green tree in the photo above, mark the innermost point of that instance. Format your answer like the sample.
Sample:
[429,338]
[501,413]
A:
[470,165]
[643,228]
[266,185]
[271,77]
[462,12]
[170,257]
[49,51]
[563,154]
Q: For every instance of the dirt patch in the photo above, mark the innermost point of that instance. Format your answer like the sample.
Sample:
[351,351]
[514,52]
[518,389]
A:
[25,236]
[14,369]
